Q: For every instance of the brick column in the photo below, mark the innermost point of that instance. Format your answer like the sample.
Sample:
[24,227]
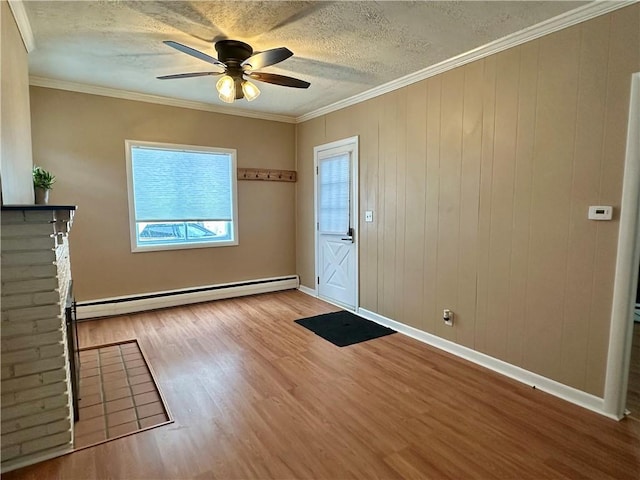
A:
[37,414]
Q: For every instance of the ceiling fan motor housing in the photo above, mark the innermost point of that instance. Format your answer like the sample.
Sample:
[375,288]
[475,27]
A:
[233,52]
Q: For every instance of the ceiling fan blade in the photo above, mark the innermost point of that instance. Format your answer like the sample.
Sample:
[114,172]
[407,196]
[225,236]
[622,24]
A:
[194,53]
[278,79]
[266,58]
[188,75]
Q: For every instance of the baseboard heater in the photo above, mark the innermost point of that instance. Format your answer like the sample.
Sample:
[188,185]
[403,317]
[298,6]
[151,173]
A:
[108,307]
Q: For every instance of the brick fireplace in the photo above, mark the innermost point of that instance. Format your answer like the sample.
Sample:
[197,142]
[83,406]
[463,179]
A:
[37,360]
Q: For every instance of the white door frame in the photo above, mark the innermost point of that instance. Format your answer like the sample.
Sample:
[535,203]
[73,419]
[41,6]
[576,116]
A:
[625,281]
[355,208]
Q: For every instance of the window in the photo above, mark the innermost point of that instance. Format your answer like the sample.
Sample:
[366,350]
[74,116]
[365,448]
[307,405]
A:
[334,202]
[181,196]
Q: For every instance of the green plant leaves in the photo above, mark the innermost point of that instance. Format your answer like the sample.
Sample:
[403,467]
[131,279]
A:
[42,178]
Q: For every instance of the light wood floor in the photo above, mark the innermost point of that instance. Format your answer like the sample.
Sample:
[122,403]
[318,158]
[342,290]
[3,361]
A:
[633,393]
[254,395]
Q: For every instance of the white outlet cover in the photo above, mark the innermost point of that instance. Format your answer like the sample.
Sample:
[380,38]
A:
[368,216]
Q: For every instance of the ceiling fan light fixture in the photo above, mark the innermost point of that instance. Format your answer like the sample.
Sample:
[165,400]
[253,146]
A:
[239,62]
[226,87]
[251,92]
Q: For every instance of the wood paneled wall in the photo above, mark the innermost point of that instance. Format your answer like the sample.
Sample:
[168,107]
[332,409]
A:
[480,179]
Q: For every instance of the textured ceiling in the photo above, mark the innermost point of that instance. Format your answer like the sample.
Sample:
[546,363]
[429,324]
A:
[342,48]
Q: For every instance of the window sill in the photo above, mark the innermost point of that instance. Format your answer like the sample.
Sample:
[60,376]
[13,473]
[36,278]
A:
[182,246]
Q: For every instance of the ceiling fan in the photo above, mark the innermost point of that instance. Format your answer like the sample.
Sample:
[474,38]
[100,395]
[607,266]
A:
[239,64]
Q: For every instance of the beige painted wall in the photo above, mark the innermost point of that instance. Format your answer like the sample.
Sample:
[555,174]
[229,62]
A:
[480,179]
[81,138]
[15,122]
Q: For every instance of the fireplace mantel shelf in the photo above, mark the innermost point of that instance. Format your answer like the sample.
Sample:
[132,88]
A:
[38,207]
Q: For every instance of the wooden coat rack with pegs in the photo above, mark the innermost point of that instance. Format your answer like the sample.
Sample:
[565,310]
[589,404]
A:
[266,174]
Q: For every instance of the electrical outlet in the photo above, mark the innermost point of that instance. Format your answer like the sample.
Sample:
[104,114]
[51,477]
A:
[447,317]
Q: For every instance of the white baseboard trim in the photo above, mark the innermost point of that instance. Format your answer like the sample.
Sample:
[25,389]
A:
[570,394]
[557,389]
[308,291]
[18,463]
[314,293]
[107,307]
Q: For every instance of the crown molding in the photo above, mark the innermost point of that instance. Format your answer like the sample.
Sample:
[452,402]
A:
[567,19]
[24,27]
[564,20]
[144,97]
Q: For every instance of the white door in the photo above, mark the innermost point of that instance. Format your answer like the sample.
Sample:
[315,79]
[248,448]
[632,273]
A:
[336,219]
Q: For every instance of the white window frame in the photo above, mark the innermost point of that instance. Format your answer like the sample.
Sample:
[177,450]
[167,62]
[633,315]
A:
[135,248]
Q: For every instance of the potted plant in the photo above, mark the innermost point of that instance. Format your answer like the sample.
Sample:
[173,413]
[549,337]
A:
[42,182]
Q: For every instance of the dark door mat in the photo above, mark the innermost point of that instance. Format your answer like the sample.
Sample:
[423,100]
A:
[344,328]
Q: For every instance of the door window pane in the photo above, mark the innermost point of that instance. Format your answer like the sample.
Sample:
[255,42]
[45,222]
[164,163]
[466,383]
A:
[334,199]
